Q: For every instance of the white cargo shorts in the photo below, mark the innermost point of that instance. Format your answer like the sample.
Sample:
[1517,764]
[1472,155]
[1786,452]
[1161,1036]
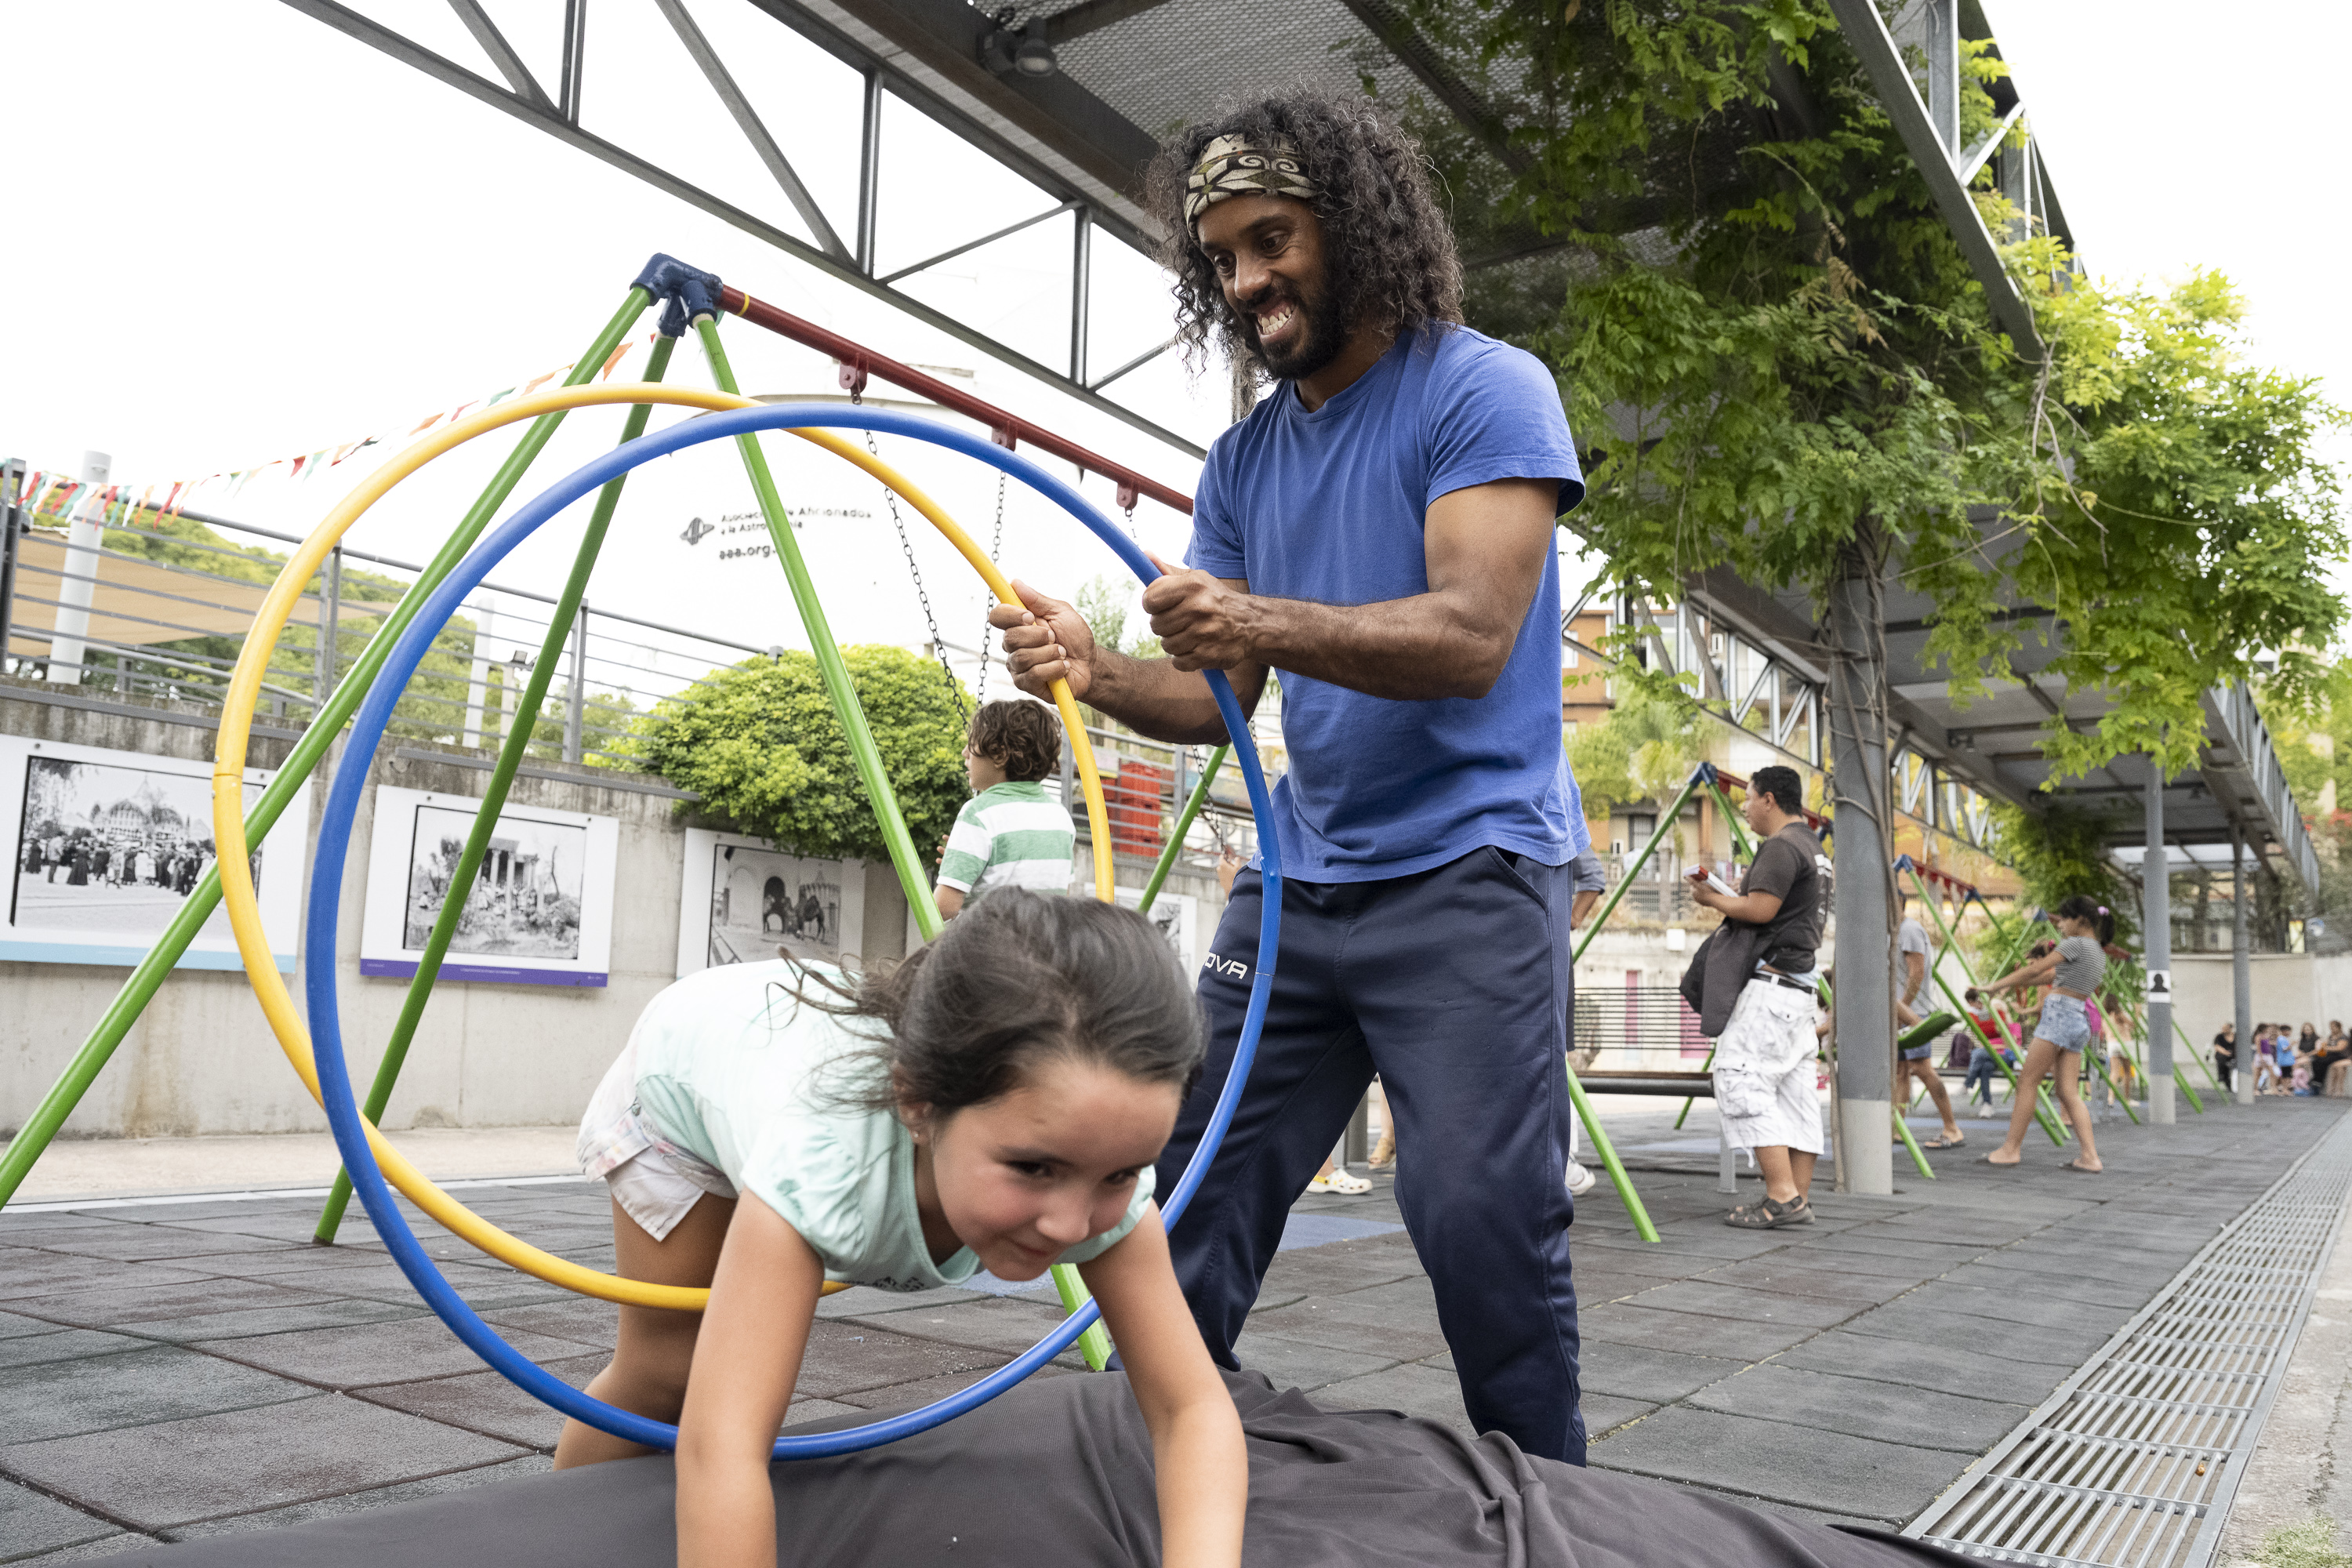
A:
[1765,1087]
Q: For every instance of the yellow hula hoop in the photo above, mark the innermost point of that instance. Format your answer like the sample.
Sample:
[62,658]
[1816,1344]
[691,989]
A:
[236,731]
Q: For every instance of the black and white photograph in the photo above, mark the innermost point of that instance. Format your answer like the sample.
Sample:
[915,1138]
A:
[761,901]
[107,849]
[524,900]
[537,912]
[758,900]
[1174,913]
[104,847]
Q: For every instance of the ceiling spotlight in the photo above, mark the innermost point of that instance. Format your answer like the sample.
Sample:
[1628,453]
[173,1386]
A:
[1007,50]
[1036,56]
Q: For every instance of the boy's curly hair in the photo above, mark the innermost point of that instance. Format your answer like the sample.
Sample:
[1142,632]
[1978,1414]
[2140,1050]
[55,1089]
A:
[1387,246]
[1025,738]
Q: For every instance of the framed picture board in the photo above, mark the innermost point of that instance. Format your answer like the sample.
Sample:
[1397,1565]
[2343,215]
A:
[1175,914]
[539,911]
[744,897]
[104,849]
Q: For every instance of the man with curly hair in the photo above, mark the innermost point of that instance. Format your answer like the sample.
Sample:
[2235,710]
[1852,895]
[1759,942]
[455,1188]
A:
[1380,529]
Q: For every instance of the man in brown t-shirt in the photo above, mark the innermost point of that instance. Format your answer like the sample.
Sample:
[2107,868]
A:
[1765,1089]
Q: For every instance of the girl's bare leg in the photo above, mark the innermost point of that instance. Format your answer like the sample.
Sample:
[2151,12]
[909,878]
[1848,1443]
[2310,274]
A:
[648,1372]
[2077,1110]
[2041,1056]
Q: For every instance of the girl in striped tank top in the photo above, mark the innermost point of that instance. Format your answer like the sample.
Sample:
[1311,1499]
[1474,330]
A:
[2067,978]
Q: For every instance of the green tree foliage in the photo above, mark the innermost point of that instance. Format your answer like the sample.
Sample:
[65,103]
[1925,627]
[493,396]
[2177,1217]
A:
[2059,852]
[1644,750]
[760,744]
[1102,604]
[1780,363]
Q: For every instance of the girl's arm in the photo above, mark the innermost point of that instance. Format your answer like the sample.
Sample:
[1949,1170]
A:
[1196,1438]
[745,1364]
[2037,973]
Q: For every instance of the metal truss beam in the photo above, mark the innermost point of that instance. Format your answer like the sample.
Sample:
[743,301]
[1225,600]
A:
[747,120]
[1011,228]
[503,55]
[1388,23]
[1090,16]
[546,117]
[1919,127]
[1922,781]
[1050,128]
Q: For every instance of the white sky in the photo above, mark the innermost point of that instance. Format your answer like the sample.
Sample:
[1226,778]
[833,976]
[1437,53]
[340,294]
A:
[241,236]
[2178,137]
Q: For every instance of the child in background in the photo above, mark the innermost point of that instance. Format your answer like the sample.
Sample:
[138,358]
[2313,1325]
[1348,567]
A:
[1982,1069]
[997,1101]
[1010,833]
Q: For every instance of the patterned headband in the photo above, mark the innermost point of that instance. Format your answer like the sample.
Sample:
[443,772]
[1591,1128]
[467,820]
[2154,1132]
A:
[1231,166]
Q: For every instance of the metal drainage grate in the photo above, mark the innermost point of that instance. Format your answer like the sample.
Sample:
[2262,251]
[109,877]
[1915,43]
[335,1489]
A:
[2133,1461]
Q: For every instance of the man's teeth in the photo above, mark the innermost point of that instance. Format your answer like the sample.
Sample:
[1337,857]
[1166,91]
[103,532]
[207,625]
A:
[1266,324]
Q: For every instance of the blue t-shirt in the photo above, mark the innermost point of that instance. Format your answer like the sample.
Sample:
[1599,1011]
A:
[1329,507]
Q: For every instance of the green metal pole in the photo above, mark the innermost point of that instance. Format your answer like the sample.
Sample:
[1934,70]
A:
[2041,1113]
[1609,906]
[1739,841]
[1184,825]
[1094,1344]
[2196,1055]
[494,796]
[1706,1066]
[2116,1089]
[836,674]
[42,1125]
[860,735]
[1910,1142]
[1618,1177]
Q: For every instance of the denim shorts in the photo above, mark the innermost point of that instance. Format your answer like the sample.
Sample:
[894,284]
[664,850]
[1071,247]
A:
[1920,1053]
[2065,1023]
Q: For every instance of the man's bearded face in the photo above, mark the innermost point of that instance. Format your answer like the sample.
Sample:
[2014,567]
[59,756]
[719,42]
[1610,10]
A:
[1296,324]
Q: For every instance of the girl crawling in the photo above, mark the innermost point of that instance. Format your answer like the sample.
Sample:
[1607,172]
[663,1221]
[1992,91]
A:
[996,1101]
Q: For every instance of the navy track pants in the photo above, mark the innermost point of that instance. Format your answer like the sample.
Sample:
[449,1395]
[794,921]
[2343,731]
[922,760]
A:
[1455,984]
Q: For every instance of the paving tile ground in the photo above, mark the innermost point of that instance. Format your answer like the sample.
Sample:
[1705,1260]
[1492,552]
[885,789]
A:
[183,1369]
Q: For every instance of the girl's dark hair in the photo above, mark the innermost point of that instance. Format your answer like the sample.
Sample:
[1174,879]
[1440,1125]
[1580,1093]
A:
[1021,978]
[1025,738]
[2083,907]
[1388,250]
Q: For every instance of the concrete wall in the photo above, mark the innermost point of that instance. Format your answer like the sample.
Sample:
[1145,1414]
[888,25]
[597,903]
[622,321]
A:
[202,1059]
[2288,988]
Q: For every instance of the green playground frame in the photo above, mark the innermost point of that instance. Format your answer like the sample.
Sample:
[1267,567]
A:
[311,749]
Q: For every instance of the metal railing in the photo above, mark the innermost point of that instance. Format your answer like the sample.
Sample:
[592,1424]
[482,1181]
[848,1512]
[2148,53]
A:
[1636,1028]
[162,615]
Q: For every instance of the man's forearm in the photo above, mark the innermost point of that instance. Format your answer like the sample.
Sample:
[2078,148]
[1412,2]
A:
[1153,698]
[1417,649]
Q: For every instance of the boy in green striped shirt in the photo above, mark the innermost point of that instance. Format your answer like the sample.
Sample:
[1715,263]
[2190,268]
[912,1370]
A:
[1010,833]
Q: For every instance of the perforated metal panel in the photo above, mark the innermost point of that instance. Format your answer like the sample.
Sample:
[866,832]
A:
[2133,1462]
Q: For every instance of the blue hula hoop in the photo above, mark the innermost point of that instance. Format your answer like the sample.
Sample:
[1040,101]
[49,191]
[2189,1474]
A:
[334,847]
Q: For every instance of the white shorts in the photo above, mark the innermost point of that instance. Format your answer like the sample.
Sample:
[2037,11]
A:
[655,1181]
[1764,1088]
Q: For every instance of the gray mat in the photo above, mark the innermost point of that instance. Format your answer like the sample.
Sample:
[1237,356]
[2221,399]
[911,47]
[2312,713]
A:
[1058,1471]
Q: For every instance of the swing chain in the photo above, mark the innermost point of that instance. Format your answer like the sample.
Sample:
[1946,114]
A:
[923,595]
[995,547]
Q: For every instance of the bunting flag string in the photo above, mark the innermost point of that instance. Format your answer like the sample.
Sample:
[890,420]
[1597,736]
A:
[58,499]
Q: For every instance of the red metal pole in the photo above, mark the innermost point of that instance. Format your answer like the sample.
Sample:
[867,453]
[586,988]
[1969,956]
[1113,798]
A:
[858,362]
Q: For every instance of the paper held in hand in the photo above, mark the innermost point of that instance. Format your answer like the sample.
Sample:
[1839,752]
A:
[1701,874]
